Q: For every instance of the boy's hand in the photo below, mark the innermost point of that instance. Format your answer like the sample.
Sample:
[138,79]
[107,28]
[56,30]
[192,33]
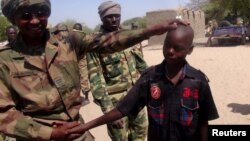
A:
[163,27]
[60,131]
[118,124]
[80,129]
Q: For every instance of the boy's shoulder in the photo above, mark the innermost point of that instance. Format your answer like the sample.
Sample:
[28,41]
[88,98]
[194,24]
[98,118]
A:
[150,70]
[198,74]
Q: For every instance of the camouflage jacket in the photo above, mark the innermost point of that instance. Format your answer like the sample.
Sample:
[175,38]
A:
[113,73]
[40,85]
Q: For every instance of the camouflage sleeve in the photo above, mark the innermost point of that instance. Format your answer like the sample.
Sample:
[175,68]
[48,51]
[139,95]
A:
[13,123]
[106,43]
[83,74]
[97,83]
[141,64]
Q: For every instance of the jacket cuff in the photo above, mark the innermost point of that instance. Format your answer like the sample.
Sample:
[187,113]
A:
[45,133]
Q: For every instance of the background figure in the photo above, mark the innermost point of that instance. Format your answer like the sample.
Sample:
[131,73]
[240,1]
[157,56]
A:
[113,75]
[11,33]
[61,32]
[85,86]
[77,27]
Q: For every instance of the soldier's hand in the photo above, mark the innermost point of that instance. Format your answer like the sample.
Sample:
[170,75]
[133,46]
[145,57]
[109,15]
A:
[163,27]
[61,131]
[118,124]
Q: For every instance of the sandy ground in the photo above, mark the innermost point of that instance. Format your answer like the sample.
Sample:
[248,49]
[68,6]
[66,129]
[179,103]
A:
[226,68]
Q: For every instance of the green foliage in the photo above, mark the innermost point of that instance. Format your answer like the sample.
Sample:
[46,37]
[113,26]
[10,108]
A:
[4,23]
[139,21]
[219,9]
[97,28]
[71,22]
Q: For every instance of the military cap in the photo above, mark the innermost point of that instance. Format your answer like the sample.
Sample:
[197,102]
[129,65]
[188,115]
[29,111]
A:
[108,8]
[59,27]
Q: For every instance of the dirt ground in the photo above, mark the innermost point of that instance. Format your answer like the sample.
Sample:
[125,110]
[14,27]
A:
[228,69]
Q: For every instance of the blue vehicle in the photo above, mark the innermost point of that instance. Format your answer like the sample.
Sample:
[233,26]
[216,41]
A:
[234,34]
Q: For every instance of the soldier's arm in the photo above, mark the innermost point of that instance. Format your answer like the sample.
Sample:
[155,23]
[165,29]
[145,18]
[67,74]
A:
[84,75]
[97,83]
[120,40]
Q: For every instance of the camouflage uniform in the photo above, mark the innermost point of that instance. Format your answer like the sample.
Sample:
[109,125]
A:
[111,76]
[41,85]
[85,85]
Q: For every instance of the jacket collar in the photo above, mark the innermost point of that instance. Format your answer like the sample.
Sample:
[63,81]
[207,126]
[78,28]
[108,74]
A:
[161,72]
[49,52]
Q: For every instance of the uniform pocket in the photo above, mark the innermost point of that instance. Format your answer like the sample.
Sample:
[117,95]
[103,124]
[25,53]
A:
[26,77]
[112,65]
[156,114]
[188,111]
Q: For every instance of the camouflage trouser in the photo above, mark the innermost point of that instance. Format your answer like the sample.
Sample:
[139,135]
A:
[135,128]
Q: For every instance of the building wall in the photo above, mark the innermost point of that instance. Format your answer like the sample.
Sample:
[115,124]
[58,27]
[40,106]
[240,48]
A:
[196,19]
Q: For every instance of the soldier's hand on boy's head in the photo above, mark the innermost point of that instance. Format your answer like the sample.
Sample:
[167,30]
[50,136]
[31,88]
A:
[163,27]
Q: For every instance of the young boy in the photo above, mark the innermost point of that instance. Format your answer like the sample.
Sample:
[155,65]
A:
[177,96]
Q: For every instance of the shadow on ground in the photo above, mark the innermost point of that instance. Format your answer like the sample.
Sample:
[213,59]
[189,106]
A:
[243,109]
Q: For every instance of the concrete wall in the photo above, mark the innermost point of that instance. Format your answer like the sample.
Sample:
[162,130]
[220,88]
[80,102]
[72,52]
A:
[196,19]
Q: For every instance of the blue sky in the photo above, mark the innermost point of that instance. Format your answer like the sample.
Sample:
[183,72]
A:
[85,11]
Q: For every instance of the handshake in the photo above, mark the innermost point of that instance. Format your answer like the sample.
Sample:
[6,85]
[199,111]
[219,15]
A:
[65,131]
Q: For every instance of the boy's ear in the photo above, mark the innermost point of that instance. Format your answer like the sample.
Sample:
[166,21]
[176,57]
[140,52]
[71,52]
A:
[190,49]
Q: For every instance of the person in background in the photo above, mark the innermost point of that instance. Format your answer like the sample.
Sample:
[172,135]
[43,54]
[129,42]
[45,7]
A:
[112,75]
[177,96]
[61,32]
[11,33]
[77,27]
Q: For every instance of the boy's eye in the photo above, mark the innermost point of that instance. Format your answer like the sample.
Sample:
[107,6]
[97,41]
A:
[179,48]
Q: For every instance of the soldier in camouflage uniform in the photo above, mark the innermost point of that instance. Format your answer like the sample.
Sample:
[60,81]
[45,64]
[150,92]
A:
[112,75]
[60,32]
[85,86]
[39,75]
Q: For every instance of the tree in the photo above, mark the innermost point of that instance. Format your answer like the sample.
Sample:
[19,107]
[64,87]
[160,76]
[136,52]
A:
[219,9]
[97,27]
[197,4]
[139,21]
[4,23]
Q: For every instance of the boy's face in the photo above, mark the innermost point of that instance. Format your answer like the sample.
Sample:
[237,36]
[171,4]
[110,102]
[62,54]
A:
[177,45]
